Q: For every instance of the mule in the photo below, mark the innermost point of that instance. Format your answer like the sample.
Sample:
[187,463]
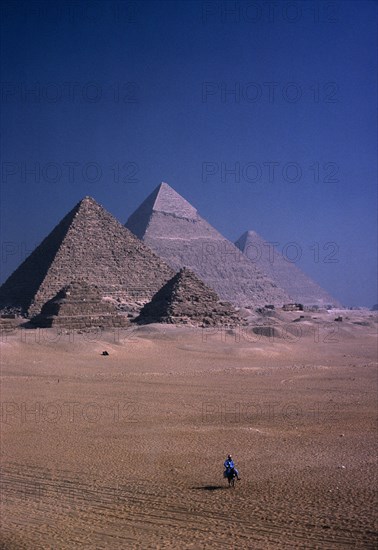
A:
[230,475]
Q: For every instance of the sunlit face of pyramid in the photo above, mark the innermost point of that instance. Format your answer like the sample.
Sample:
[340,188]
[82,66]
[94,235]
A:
[173,228]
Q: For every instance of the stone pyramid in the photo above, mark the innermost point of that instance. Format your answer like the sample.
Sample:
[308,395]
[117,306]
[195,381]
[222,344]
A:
[185,299]
[88,244]
[79,305]
[172,227]
[287,275]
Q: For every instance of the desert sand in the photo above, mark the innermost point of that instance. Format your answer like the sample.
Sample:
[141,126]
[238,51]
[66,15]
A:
[127,450]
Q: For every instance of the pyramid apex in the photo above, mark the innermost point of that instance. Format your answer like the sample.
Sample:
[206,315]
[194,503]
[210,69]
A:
[87,203]
[167,200]
[163,200]
[89,244]
[249,233]
[244,239]
[88,198]
[297,285]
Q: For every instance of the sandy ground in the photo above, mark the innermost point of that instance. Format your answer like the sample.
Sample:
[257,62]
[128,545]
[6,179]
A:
[126,450]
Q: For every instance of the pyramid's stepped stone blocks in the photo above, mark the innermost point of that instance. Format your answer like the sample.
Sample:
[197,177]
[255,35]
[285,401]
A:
[299,287]
[8,325]
[172,227]
[89,244]
[78,306]
[185,299]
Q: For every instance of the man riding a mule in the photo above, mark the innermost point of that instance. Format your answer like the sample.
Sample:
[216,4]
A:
[230,468]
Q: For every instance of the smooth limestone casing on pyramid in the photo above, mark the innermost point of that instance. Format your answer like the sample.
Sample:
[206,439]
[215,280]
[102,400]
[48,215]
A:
[88,244]
[172,227]
[288,276]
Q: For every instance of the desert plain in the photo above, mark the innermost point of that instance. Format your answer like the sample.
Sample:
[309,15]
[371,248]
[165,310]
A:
[126,450]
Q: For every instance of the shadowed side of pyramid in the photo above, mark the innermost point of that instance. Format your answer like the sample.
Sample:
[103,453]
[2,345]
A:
[91,245]
[298,285]
[22,285]
[172,227]
[185,299]
[79,305]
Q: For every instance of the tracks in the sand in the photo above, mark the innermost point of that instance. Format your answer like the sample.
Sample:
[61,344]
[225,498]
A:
[67,511]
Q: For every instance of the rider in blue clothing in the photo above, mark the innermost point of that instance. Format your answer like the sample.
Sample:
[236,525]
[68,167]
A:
[230,465]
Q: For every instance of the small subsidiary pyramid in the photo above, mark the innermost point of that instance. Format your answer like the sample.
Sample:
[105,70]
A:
[299,287]
[185,299]
[175,231]
[79,305]
[91,245]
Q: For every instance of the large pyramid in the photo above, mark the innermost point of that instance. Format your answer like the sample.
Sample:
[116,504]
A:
[286,274]
[91,245]
[172,227]
[185,299]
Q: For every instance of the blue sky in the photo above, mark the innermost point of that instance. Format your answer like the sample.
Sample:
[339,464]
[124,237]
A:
[261,114]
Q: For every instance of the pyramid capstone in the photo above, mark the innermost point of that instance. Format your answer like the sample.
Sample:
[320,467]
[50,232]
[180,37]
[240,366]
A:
[164,200]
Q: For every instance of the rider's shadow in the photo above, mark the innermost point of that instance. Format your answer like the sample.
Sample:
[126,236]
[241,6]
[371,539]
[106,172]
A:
[210,487]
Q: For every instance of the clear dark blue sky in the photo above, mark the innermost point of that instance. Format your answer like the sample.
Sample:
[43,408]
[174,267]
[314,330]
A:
[108,99]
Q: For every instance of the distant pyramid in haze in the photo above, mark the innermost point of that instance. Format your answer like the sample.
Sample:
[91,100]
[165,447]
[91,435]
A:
[88,244]
[172,227]
[287,275]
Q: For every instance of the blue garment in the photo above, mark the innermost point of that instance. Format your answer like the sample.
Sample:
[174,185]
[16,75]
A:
[230,465]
